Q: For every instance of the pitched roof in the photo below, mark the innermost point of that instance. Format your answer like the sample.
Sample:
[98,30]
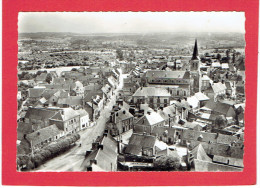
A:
[48,93]
[193,101]
[82,112]
[43,134]
[217,87]
[163,130]
[39,113]
[219,107]
[41,77]
[152,118]
[228,160]
[199,153]
[104,157]
[168,74]
[92,94]
[58,80]
[67,114]
[71,100]
[35,92]
[224,66]
[123,114]
[201,96]
[151,91]
[138,141]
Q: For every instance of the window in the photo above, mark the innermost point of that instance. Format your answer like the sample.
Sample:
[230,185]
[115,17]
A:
[178,92]
[151,100]
[158,100]
[165,101]
[184,93]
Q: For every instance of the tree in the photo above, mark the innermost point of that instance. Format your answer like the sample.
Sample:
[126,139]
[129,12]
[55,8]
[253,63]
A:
[220,122]
[167,163]
[119,54]
[218,56]
[28,77]
[48,78]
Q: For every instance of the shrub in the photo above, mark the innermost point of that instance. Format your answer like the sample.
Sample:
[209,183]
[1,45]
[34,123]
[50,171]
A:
[47,152]
[167,163]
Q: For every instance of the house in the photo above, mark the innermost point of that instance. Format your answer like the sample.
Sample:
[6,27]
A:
[58,80]
[201,162]
[216,89]
[93,102]
[34,94]
[112,82]
[214,143]
[122,121]
[38,117]
[50,97]
[205,82]
[78,88]
[41,78]
[106,89]
[141,145]
[182,110]
[23,129]
[202,98]
[194,103]
[240,88]
[169,114]
[84,118]
[231,89]
[70,101]
[219,108]
[155,97]
[216,65]
[67,120]
[148,121]
[225,66]
[165,134]
[103,156]
[43,136]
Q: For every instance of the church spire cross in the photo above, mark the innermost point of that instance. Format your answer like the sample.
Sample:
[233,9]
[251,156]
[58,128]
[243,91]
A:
[195,51]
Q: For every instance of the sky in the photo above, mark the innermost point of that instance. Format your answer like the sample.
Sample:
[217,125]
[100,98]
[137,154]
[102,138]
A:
[131,22]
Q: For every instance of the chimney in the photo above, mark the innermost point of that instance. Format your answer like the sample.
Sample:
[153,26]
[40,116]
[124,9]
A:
[93,161]
[100,146]
[124,112]
[148,112]
[94,145]
[105,134]
[87,153]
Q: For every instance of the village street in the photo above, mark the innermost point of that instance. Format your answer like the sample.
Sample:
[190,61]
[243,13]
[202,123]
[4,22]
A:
[72,159]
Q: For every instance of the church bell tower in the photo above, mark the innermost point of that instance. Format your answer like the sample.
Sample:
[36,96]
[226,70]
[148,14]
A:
[195,70]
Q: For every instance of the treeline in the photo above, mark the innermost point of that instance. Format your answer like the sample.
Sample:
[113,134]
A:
[30,162]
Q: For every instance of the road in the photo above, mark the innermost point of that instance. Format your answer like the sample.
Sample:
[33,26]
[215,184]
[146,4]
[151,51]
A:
[72,159]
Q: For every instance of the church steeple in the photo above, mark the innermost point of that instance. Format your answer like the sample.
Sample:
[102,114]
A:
[195,51]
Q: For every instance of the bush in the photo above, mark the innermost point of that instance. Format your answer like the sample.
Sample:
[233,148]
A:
[167,163]
[47,153]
